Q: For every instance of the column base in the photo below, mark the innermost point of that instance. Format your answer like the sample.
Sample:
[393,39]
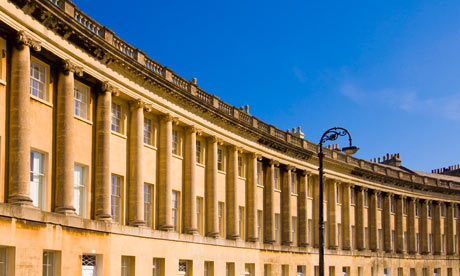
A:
[346,248]
[412,252]
[269,241]
[191,231]
[212,234]
[65,210]
[287,243]
[165,227]
[233,237]
[332,247]
[22,200]
[103,217]
[252,239]
[400,251]
[137,223]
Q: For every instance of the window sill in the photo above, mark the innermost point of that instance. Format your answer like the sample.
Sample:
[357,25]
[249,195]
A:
[83,120]
[221,172]
[40,100]
[294,194]
[119,135]
[2,83]
[277,190]
[200,165]
[177,156]
[242,178]
[150,146]
[260,186]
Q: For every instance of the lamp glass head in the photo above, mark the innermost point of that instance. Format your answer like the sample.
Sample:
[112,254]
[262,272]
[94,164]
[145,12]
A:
[350,150]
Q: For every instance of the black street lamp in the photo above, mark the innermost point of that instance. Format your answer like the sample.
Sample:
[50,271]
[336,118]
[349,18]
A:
[330,135]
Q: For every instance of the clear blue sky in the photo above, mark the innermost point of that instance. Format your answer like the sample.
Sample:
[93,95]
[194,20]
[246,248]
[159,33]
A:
[387,71]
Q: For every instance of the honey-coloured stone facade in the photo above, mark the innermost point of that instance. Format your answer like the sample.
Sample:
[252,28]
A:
[112,164]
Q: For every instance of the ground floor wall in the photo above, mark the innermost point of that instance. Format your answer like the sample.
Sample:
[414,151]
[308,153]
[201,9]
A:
[26,234]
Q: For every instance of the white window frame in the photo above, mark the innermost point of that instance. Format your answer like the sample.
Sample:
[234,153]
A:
[116,198]
[199,152]
[241,167]
[182,267]
[293,182]
[81,100]
[89,262]
[117,118]
[39,83]
[276,179]
[4,260]
[259,174]
[80,189]
[199,215]
[148,204]
[39,173]
[126,265]
[148,132]
[220,159]
[175,142]
[175,210]
[48,263]
[221,217]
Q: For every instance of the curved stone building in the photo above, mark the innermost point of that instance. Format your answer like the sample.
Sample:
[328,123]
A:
[111,164]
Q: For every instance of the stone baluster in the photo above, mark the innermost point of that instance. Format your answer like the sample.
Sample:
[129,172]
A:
[387,240]
[212,223]
[436,228]
[269,212]
[331,187]
[251,194]
[359,218]
[165,222]
[398,224]
[231,194]
[19,117]
[346,226]
[423,227]
[302,208]
[286,214]
[190,219]
[65,142]
[372,220]
[411,235]
[450,240]
[136,165]
[102,152]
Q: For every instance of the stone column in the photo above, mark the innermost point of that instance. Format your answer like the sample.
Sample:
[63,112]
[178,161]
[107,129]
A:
[346,227]
[449,228]
[286,214]
[269,197]
[190,219]
[165,222]
[372,221]
[136,165]
[423,227]
[302,209]
[398,224]
[359,218]
[411,235]
[231,194]
[65,142]
[102,153]
[251,198]
[315,182]
[212,223]
[458,228]
[19,125]
[436,228]
[331,188]
[387,242]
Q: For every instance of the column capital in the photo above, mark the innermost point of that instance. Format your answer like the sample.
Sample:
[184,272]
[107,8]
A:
[22,39]
[374,191]
[212,139]
[273,162]
[255,155]
[192,129]
[305,172]
[435,202]
[290,168]
[136,104]
[107,87]
[167,117]
[398,196]
[449,204]
[68,66]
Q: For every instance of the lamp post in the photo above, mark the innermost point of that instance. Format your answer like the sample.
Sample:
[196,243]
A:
[330,135]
